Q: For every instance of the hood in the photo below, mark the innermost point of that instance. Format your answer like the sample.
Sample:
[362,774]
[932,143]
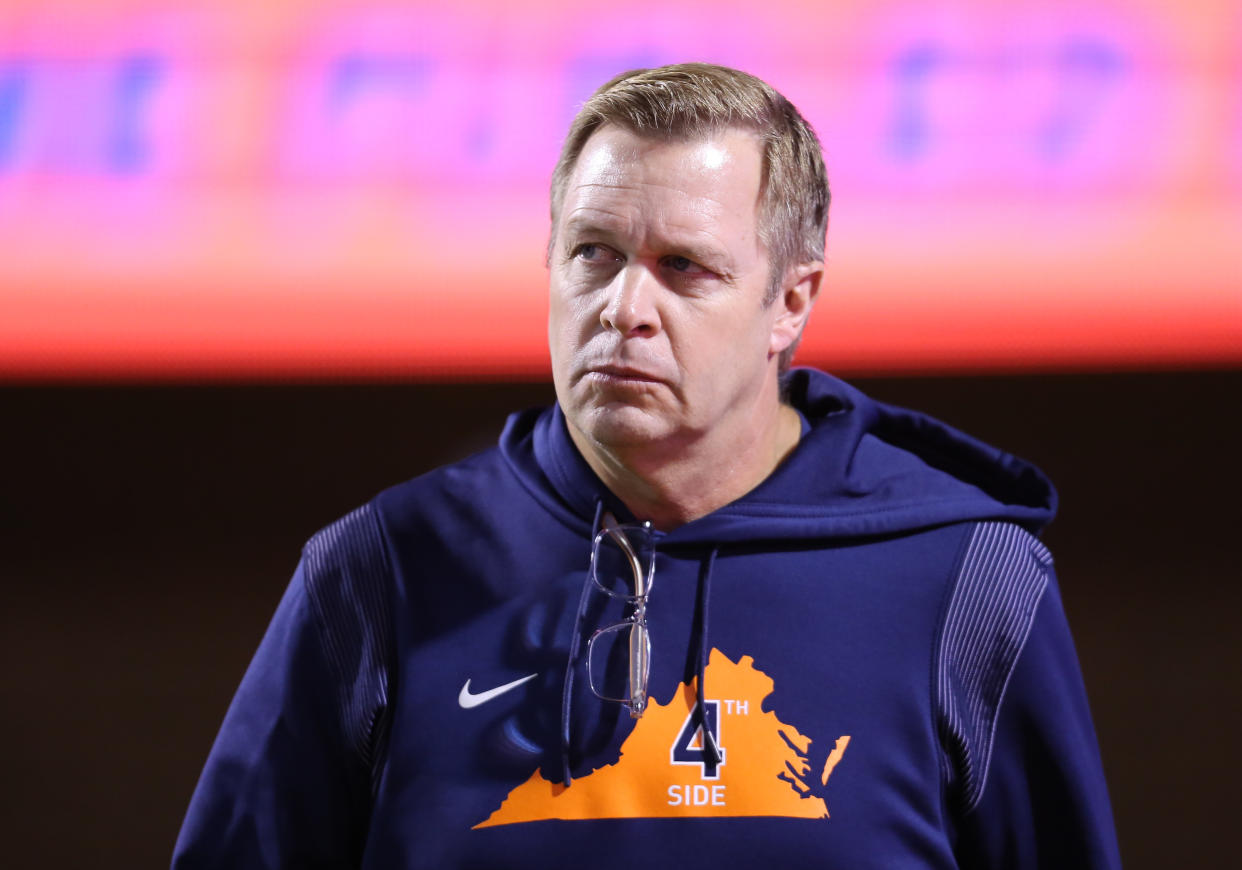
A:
[862,468]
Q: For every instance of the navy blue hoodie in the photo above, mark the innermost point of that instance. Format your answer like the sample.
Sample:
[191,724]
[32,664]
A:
[863,662]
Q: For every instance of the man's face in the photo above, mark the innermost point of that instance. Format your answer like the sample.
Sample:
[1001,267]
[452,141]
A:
[657,326]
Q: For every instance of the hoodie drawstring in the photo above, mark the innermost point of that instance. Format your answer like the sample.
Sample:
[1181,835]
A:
[705,586]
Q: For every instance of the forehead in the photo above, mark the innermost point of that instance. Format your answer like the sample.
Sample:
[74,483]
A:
[624,175]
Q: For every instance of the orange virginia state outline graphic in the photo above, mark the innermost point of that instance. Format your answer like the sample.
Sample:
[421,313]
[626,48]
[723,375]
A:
[765,770]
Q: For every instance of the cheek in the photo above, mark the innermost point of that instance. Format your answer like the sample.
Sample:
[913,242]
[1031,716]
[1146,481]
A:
[560,304]
[569,325]
[734,347]
[558,320]
[573,316]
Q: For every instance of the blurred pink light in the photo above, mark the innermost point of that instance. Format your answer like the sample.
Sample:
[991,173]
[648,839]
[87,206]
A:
[231,189]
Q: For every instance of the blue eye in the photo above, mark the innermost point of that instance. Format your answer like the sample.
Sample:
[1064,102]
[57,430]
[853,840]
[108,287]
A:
[686,267]
[592,252]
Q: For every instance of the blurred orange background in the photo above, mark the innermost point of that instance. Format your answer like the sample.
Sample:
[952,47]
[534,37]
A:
[322,189]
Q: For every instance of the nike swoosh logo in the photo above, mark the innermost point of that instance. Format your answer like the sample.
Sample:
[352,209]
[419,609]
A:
[468,699]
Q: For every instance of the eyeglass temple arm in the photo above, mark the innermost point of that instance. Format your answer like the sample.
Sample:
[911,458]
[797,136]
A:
[614,531]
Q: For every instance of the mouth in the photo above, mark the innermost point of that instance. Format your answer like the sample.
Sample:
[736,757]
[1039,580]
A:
[621,375]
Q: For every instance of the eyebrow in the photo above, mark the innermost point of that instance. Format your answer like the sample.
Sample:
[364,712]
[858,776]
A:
[577,224]
[589,226]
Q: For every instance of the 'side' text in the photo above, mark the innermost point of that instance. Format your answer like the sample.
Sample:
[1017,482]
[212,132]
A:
[696,795]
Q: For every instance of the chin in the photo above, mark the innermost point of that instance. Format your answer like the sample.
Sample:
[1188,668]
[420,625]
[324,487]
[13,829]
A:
[622,425]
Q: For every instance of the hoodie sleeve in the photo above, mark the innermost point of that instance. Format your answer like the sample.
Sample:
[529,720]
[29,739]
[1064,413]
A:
[289,780]
[1024,782]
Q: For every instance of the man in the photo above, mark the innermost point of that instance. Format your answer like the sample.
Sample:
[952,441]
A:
[697,614]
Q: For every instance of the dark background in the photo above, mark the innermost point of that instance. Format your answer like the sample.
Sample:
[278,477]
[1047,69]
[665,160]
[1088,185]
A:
[148,533]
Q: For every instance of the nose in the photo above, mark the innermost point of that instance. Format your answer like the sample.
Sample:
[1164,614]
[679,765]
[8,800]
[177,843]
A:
[631,308]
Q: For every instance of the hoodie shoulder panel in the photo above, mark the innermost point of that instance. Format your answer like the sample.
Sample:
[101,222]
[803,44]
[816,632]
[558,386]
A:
[991,608]
[348,586]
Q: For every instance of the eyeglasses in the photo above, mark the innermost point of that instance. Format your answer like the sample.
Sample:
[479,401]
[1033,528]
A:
[623,567]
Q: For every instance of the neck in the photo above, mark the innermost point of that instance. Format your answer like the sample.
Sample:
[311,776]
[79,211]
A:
[671,484]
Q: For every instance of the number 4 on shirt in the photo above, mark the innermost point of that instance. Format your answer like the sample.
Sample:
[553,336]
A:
[689,747]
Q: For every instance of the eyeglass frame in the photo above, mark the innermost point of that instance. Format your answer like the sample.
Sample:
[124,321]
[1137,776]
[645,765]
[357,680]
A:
[639,670]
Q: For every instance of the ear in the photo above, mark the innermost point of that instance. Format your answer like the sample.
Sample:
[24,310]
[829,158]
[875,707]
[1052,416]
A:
[798,293]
